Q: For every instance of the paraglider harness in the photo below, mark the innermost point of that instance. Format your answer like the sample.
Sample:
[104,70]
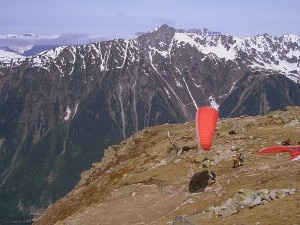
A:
[286,142]
[212,175]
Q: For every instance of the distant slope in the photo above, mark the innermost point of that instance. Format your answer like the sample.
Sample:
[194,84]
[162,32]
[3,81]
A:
[259,93]
[7,56]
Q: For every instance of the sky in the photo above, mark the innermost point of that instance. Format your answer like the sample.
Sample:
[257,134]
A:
[88,20]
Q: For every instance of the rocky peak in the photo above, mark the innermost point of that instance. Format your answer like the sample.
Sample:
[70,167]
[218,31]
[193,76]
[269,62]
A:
[163,34]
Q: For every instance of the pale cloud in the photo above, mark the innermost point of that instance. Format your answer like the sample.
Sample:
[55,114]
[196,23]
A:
[63,39]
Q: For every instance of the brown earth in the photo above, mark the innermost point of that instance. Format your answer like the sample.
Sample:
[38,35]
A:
[138,182]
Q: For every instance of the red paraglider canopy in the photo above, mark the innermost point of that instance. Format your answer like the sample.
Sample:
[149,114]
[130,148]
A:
[206,121]
[293,150]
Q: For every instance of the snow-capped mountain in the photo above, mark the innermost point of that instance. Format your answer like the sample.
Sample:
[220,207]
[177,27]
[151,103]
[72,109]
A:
[62,107]
[8,56]
[19,44]
[259,52]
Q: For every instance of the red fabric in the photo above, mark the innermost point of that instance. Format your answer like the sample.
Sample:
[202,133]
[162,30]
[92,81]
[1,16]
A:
[293,150]
[206,121]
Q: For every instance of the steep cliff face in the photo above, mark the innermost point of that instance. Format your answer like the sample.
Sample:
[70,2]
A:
[259,93]
[61,108]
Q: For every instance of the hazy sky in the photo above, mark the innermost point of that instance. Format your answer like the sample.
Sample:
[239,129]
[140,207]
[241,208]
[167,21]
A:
[123,18]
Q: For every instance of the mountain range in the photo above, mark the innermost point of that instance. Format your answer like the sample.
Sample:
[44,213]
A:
[61,108]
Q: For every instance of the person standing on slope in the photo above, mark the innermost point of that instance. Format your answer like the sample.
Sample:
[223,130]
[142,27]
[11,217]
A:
[235,161]
[241,159]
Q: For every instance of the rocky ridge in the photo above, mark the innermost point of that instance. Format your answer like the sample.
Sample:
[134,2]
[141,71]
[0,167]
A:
[145,180]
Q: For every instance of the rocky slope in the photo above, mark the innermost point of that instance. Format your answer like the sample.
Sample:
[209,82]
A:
[145,180]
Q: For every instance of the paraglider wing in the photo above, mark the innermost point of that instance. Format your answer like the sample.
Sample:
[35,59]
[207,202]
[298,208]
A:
[206,121]
[293,150]
[199,181]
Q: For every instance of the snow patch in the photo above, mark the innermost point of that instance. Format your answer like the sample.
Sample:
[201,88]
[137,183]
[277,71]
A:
[213,102]
[68,111]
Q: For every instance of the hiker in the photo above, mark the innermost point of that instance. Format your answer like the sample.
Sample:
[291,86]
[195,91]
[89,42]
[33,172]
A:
[286,142]
[212,175]
[235,161]
[241,159]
